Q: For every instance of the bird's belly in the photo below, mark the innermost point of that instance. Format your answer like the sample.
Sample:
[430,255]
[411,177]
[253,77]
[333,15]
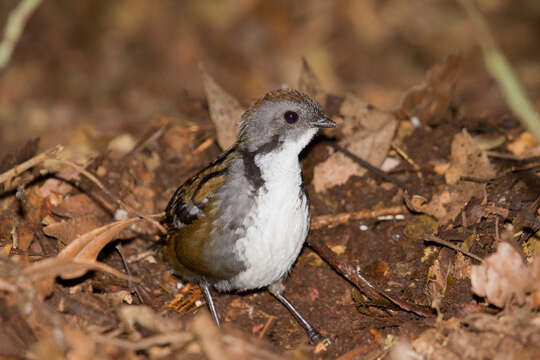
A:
[276,230]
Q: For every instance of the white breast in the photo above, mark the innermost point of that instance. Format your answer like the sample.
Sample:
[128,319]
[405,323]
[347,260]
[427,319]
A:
[277,225]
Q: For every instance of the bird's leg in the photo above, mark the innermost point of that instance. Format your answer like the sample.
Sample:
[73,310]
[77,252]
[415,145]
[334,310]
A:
[208,297]
[277,289]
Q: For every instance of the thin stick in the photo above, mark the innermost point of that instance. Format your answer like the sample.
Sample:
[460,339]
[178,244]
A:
[438,240]
[342,218]
[16,170]
[98,183]
[14,28]
[404,155]
[366,165]
[358,280]
[266,326]
[131,287]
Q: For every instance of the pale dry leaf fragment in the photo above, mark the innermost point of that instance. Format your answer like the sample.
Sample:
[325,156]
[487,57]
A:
[430,101]
[525,145]
[468,160]
[448,202]
[144,316]
[225,110]
[437,279]
[367,133]
[503,276]
[308,81]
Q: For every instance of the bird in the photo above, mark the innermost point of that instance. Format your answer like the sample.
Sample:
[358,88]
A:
[240,223]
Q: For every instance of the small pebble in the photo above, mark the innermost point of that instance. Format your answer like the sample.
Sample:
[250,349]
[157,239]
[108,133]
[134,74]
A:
[415,121]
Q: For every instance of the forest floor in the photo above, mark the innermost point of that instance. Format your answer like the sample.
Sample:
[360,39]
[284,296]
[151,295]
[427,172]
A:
[447,234]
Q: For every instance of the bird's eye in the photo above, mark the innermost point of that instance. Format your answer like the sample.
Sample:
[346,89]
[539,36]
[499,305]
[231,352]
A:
[291,117]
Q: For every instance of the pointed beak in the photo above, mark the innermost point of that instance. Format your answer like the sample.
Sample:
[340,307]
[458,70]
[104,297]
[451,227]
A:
[323,122]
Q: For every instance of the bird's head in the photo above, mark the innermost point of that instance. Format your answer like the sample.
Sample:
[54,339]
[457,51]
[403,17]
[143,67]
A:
[281,118]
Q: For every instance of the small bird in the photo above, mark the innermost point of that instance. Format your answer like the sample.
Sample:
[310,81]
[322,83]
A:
[240,223]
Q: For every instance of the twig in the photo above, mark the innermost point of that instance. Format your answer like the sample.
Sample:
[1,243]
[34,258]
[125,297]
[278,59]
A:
[438,240]
[266,326]
[16,21]
[366,165]
[98,183]
[499,67]
[404,155]
[16,170]
[355,278]
[342,218]
[132,289]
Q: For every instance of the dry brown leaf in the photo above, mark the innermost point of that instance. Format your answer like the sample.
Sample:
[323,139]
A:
[437,279]
[78,205]
[467,160]
[309,83]
[448,203]
[503,276]
[42,273]
[143,316]
[525,145]
[88,246]
[367,132]
[67,231]
[225,111]
[431,100]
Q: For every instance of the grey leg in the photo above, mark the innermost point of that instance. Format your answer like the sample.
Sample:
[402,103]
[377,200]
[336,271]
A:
[313,335]
[208,297]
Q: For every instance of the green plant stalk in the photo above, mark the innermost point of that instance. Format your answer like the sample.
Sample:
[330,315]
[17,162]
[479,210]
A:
[14,27]
[513,92]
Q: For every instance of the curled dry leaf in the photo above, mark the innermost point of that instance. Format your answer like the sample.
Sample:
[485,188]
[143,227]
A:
[225,111]
[431,100]
[368,133]
[448,202]
[77,258]
[88,246]
[504,276]
[468,160]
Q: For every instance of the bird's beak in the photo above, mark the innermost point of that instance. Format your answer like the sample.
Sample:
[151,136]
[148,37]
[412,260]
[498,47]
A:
[323,122]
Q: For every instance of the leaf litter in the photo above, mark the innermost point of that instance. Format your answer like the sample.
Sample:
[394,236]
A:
[76,223]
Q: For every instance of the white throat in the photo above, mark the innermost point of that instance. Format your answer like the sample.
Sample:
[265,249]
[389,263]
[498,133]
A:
[281,166]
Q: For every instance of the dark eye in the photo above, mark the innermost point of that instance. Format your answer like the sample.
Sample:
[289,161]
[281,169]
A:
[291,117]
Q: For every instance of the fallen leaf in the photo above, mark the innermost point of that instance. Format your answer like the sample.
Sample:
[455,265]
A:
[43,272]
[525,145]
[143,316]
[467,160]
[77,206]
[430,101]
[225,111]
[88,246]
[67,231]
[448,202]
[437,277]
[309,83]
[367,133]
